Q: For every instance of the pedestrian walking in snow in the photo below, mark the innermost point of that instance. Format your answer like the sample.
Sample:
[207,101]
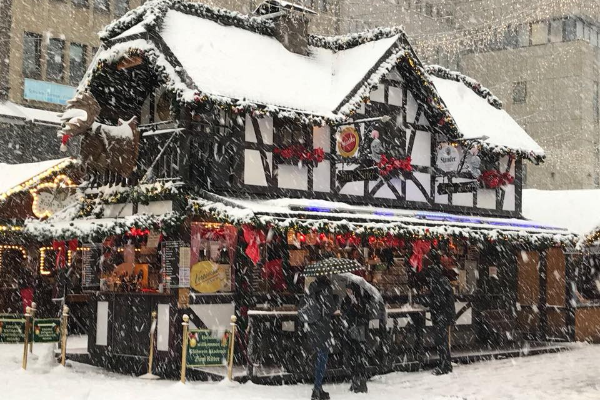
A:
[317,314]
[441,306]
[356,318]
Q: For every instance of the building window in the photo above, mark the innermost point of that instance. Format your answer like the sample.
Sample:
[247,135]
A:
[595,102]
[102,5]
[556,31]
[80,3]
[523,35]
[54,60]
[121,7]
[76,62]
[519,92]
[539,33]
[429,9]
[32,51]
[569,30]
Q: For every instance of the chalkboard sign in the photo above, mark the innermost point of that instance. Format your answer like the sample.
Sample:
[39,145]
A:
[92,266]
[204,350]
[170,263]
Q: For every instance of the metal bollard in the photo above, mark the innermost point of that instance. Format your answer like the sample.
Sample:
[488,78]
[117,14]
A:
[231,348]
[26,341]
[63,335]
[184,344]
[33,310]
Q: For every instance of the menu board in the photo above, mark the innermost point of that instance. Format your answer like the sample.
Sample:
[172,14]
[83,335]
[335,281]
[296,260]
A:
[170,263]
[92,266]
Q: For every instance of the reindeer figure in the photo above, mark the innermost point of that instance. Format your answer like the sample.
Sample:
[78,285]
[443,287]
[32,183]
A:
[103,147]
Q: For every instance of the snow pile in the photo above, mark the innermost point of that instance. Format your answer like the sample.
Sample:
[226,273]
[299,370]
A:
[570,375]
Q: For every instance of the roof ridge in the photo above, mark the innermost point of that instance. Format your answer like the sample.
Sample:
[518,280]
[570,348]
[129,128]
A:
[152,13]
[483,92]
[344,42]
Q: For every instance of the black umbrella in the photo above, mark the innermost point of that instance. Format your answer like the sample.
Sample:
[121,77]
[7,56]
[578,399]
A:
[331,266]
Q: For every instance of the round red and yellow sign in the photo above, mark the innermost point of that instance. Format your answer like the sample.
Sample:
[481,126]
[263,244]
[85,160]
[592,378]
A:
[348,141]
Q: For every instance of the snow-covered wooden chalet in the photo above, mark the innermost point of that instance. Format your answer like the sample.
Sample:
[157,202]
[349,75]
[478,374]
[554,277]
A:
[252,147]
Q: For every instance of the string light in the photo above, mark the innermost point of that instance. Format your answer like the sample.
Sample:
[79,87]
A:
[11,247]
[36,179]
[61,181]
[10,228]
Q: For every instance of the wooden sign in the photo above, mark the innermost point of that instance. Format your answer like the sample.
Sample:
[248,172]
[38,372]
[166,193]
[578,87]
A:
[209,277]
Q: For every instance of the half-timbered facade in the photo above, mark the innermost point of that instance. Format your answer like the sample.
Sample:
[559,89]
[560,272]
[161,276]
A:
[253,148]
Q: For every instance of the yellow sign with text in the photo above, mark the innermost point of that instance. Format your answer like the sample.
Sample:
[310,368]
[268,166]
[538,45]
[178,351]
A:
[209,277]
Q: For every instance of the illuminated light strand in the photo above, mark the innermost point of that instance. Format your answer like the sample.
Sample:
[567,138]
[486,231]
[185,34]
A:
[62,181]
[36,179]
[12,247]
[43,251]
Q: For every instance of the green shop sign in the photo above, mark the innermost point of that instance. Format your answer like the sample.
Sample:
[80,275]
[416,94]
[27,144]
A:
[46,330]
[12,330]
[205,350]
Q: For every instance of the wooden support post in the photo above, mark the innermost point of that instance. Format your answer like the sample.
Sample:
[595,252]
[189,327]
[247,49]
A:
[152,332]
[33,310]
[184,343]
[231,348]
[63,335]
[26,340]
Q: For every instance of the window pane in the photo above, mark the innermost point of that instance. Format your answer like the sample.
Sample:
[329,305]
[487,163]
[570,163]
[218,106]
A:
[76,62]
[539,33]
[570,30]
[519,92]
[81,3]
[579,30]
[594,40]
[55,60]
[32,44]
[595,105]
[523,33]
[121,7]
[556,31]
[102,5]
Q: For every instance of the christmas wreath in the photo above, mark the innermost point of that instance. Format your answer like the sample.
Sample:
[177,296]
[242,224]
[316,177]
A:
[493,179]
[298,152]
[388,165]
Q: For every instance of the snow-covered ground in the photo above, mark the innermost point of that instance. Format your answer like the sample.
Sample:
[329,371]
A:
[569,375]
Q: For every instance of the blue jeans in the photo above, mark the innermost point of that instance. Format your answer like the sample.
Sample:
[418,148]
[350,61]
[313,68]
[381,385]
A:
[320,366]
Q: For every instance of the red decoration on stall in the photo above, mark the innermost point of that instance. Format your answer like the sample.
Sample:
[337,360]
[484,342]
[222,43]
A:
[133,231]
[388,165]
[253,237]
[300,153]
[493,179]
[420,248]
[60,246]
[273,271]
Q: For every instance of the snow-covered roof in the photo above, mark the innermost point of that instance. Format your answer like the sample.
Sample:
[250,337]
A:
[10,109]
[210,54]
[481,114]
[18,177]
[235,63]
[576,210]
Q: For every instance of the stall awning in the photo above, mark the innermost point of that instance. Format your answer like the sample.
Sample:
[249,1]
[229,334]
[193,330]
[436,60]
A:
[321,215]
[309,216]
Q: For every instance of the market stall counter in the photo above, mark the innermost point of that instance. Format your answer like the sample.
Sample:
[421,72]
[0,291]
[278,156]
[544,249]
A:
[277,345]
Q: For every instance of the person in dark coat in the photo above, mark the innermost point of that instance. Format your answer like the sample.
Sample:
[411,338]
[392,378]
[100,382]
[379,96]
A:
[317,314]
[441,306]
[356,318]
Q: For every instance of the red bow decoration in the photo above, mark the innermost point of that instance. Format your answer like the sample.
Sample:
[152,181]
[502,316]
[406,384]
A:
[420,248]
[60,246]
[254,237]
[273,270]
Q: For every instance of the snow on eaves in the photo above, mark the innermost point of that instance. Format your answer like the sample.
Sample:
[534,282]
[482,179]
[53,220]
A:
[20,177]
[476,116]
